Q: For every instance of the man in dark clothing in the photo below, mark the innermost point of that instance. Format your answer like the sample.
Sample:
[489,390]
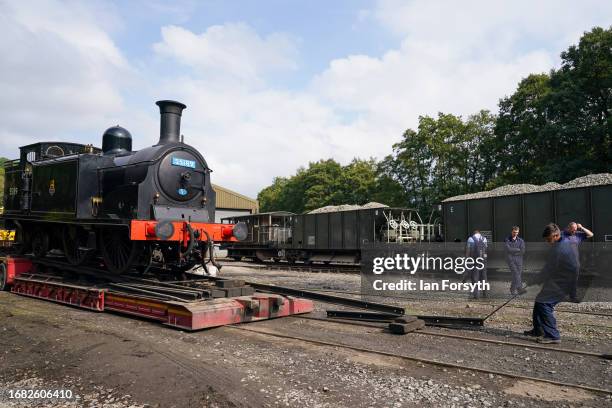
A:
[558,278]
[515,249]
[477,248]
[576,233]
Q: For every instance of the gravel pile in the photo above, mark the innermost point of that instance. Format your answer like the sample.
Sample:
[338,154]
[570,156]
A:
[346,207]
[512,189]
[590,180]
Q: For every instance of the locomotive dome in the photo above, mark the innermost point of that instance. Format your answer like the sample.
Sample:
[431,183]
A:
[116,140]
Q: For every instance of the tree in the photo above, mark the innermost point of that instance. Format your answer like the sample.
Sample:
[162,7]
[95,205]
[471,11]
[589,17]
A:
[558,126]
[446,156]
[326,182]
[270,197]
[581,105]
[523,135]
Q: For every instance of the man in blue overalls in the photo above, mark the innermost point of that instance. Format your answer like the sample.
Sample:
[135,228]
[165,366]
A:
[576,233]
[515,249]
[477,248]
[558,278]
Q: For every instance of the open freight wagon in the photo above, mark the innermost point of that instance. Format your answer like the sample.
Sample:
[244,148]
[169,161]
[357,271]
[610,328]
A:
[495,216]
[336,236]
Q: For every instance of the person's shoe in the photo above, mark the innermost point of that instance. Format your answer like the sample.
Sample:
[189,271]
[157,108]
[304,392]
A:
[532,333]
[512,292]
[522,291]
[547,340]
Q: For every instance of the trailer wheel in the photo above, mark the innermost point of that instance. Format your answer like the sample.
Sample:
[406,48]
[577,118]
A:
[3,277]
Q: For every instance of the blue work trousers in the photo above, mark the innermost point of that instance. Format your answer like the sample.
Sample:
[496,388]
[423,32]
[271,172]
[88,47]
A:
[544,320]
[515,264]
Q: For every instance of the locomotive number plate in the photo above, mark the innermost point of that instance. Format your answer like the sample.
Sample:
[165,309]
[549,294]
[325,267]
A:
[176,161]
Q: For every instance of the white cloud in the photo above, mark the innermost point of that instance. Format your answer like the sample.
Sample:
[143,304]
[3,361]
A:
[60,73]
[232,49]
[502,28]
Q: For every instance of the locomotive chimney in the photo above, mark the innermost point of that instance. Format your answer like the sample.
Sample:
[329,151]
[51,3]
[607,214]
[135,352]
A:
[170,126]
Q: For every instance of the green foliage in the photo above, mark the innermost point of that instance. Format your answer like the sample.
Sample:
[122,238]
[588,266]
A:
[558,127]
[446,156]
[326,182]
[520,131]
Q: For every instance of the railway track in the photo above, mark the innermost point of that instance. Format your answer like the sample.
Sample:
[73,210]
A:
[352,269]
[557,310]
[427,332]
[422,360]
[312,268]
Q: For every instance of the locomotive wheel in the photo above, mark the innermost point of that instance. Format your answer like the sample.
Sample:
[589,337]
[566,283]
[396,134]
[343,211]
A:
[75,245]
[118,251]
[23,241]
[40,243]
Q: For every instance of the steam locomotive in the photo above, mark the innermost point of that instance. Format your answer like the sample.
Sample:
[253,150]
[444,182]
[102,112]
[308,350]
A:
[130,208]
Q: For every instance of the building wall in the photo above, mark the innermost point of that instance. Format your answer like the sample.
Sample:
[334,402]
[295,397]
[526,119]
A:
[221,213]
[231,203]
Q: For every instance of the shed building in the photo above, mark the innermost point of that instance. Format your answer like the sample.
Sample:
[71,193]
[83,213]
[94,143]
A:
[233,204]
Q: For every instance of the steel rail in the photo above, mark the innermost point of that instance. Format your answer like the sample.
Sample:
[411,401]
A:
[559,310]
[585,312]
[360,304]
[185,295]
[147,292]
[458,336]
[441,321]
[517,344]
[423,360]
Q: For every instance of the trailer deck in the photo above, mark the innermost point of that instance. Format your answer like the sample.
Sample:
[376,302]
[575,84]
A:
[194,305]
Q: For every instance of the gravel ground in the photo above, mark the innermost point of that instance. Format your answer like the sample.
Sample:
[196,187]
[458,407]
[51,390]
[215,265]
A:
[109,360]
[95,395]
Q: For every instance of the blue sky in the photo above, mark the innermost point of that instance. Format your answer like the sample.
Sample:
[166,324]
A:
[323,30]
[269,85]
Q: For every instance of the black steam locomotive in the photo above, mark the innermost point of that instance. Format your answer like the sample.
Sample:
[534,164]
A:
[131,208]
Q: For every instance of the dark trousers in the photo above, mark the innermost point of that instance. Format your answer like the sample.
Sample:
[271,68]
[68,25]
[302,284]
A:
[544,319]
[477,275]
[515,263]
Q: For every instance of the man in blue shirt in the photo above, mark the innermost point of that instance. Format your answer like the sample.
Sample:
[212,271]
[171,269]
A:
[558,278]
[515,249]
[576,233]
[477,248]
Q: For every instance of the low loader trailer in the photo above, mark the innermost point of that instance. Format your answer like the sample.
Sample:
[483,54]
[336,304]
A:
[191,304]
